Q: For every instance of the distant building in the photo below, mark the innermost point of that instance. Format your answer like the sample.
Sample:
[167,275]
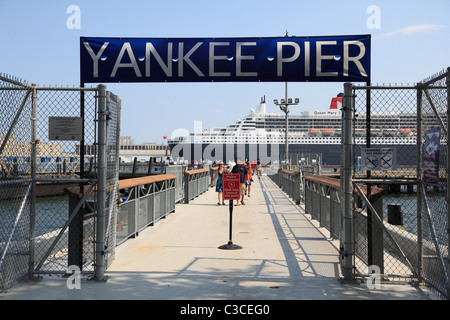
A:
[128,147]
[15,148]
[128,150]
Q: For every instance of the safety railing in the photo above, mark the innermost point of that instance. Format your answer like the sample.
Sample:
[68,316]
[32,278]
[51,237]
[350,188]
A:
[196,182]
[377,241]
[177,170]
[323,201]
[291,183]
[142,202]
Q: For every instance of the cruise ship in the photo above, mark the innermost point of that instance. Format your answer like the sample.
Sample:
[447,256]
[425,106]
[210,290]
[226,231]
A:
[261,135]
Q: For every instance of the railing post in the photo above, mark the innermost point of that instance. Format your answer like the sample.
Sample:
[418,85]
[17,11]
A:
[186,187]
[302,186]
[347,250]
[101,185]
[297,187]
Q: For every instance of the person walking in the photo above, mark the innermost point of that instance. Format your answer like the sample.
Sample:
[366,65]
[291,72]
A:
[219,184]
[258,169]
[249,180]
[231,164]
[241,168]
[253,166]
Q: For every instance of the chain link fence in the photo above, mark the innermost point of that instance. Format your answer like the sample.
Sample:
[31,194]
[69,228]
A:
[15,191]
[386,119]
[48,179]
[434,98]
[113,106]
[400,219]
[60,165]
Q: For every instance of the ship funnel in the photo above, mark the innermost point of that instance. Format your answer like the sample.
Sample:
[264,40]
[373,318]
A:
[336,103]
[262,106]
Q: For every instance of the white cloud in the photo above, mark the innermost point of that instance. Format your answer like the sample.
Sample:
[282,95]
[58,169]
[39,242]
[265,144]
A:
[411,30]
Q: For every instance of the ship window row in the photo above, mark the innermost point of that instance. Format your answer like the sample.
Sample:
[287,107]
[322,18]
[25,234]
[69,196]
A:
[143,147]
[304,140]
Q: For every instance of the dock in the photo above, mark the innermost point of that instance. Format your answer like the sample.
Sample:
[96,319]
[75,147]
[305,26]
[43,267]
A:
[285,255]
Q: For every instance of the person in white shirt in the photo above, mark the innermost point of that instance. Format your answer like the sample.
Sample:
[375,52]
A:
[231,164]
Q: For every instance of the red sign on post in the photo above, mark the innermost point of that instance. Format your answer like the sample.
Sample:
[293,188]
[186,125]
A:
[231,186]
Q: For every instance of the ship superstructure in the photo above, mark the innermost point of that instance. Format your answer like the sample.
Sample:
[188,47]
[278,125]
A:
[317,131]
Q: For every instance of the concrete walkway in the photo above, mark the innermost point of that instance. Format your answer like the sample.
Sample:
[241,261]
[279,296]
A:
[285,256]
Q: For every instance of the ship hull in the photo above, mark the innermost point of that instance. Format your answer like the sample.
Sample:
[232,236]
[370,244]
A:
[274,153]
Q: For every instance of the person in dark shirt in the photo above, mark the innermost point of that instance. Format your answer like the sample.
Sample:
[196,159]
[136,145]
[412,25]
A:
[241,168]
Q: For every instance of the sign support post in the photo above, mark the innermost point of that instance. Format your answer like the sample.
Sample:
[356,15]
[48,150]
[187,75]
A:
[231,191]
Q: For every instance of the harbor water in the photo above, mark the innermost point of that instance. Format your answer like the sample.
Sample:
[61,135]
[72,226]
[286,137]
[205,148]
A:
[408,203]
[51,214]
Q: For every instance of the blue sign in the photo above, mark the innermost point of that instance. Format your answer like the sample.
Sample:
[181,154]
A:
[293,59]
[431,155]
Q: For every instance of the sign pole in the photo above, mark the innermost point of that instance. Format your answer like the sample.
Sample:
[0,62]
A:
[231,222]
[230,191]
[230,245]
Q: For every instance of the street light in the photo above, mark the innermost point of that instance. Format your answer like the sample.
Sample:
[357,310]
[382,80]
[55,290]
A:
[284,106]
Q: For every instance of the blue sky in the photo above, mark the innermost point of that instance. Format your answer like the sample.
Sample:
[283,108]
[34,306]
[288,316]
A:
[411,43]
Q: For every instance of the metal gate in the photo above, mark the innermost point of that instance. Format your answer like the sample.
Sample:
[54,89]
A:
[395,185]
[58,179]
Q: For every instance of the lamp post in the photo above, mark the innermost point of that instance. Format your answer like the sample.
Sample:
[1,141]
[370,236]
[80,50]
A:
[284,106]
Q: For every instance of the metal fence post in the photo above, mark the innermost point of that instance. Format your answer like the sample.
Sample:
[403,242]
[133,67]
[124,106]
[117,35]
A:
[33,185]
[101,185]
[448,184]
[419,173]
[347,254]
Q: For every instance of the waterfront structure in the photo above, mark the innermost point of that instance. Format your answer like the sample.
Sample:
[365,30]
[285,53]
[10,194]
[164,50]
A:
[14,148]
[143,152]
[128,150]
[49,152]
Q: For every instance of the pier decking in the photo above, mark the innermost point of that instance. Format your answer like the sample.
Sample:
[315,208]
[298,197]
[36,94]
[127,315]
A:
[285,256]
